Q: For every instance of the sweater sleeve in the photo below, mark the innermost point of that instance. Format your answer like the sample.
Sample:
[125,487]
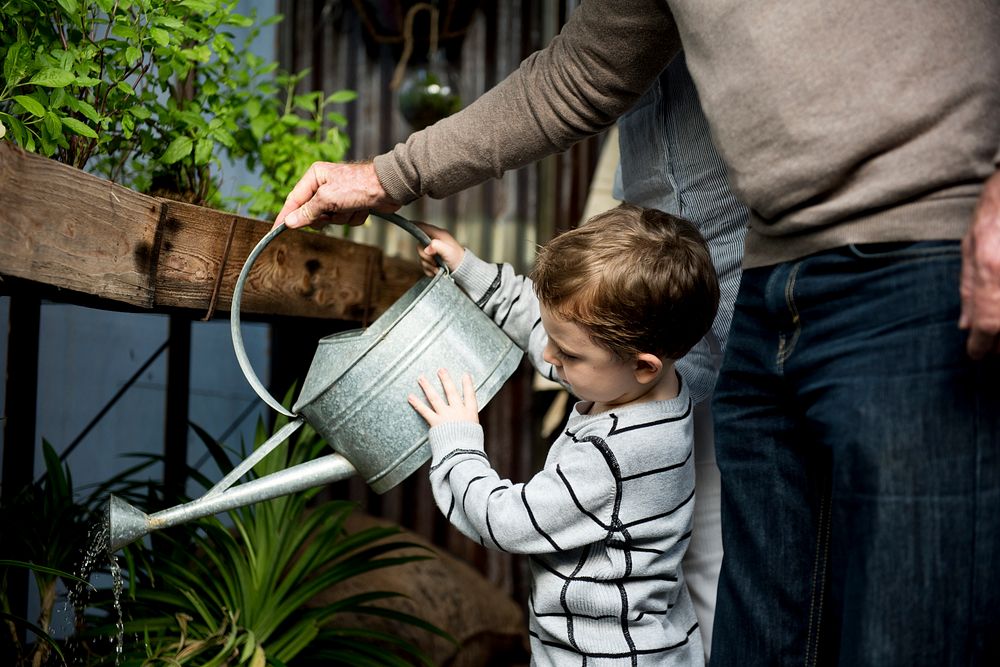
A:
[510,300]
[568,504]
[605,57]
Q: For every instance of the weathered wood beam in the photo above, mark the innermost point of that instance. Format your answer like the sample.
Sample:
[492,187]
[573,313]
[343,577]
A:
[64,228]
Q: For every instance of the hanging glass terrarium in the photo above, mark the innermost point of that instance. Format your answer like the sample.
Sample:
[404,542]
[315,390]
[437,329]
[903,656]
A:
[427,91]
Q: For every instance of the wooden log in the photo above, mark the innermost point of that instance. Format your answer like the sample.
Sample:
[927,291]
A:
[64,228]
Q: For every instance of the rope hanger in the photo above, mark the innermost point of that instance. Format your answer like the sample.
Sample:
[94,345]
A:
[397,77]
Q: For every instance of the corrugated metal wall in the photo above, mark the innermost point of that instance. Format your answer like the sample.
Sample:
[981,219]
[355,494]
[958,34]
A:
[350,44]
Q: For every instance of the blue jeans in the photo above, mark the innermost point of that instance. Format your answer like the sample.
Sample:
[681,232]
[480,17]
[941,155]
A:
[860,456]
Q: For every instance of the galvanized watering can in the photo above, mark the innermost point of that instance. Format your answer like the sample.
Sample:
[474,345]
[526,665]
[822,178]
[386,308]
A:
[354,396]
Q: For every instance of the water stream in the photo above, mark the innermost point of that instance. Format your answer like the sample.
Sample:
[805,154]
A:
[96,554]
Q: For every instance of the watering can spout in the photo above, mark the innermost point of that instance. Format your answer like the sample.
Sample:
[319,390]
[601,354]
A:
[125,523]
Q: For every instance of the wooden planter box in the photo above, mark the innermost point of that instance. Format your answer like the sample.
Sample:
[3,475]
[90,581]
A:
[90,238]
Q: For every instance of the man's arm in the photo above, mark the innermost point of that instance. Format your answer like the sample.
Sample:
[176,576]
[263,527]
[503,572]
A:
[606,56]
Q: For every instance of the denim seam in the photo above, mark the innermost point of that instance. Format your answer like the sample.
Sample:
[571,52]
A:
[818,580]
[949,250]
[975,612]
[785,351]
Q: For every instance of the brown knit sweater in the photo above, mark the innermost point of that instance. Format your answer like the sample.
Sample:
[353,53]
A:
[841,122]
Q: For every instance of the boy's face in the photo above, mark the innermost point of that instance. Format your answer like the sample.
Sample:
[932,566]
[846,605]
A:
[593,372]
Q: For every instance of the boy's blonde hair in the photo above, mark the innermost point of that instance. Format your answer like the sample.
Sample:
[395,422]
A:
[639,280]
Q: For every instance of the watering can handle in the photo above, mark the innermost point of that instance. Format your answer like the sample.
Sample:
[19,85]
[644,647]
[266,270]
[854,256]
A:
[413,229]
[234,312]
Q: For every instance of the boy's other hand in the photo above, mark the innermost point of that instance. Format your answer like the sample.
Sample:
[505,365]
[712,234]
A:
[443,245]
[451,408]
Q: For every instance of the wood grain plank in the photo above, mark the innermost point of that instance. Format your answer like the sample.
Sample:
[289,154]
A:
[63,227]
[299,273]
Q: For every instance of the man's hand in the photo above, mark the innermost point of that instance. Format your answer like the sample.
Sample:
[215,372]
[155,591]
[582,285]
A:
[334,192]
[438,411]
[980,286]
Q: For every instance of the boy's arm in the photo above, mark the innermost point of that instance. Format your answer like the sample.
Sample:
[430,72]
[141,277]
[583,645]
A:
[565,506]
[509,299]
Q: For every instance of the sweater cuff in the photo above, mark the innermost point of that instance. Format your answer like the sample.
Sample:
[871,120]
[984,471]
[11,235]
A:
[449,436]
[391,179]
[475,276]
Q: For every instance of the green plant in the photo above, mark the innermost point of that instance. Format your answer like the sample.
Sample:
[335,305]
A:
[79,74]
[44,642]
[148,93]
[236,593]
[43,528]
[427,95]
[288,132]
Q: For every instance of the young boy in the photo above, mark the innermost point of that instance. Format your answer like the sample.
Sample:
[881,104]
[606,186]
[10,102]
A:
[608,309]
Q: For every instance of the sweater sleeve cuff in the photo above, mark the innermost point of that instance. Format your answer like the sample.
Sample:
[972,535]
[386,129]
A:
[449,436]
[475,276]
[392,180]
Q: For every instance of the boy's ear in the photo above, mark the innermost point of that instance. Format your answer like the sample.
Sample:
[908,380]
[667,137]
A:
[647,367]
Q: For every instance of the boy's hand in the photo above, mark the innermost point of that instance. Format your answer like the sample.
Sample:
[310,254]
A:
[454,410]
[443,245]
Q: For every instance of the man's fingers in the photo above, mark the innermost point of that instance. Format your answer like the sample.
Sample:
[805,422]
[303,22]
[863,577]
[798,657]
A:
[357,218]
[980,343]
[302,217]
[301,193]
[331,192]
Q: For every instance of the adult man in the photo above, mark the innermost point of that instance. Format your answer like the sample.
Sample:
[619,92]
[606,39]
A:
[857,441]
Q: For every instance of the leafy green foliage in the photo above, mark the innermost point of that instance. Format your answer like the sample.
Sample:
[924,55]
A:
[210,592]
[153,93]
[42,528]
[238,592]
[288,132]
[13,621]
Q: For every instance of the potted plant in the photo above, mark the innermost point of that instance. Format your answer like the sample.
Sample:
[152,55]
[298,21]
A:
[153,93]
[235,591]
[286,133]
[42,529]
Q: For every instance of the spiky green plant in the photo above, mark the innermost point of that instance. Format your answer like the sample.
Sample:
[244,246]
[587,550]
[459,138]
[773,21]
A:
[237,593]
[43,527]
[44,642]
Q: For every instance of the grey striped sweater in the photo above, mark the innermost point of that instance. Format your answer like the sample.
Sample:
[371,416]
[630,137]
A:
[605,522]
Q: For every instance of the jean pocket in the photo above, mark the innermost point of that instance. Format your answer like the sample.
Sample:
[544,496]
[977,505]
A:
[898,250]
